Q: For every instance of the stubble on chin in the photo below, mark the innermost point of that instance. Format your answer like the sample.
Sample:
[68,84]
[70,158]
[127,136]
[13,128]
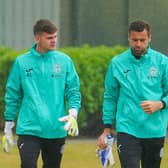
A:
[138,52]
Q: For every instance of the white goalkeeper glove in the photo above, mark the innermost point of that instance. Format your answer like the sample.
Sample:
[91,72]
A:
[71,125]
[106,154]
[7,139]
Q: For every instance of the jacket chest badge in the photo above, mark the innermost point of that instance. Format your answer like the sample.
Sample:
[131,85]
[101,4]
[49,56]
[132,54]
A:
[153,72]
[57,68]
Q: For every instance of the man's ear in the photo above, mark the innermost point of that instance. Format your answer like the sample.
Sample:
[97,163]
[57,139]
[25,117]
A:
[150,38]
[37,37]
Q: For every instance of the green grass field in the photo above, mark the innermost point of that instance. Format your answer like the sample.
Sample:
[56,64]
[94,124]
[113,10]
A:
[77,154]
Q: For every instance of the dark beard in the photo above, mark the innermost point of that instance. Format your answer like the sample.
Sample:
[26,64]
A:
[138,54]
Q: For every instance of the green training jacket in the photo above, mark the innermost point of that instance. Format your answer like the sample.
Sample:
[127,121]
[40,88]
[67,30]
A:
[38,87]
[128,82]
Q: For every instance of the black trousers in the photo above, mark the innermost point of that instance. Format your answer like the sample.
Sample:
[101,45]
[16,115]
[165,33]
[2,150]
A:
[31,146]
[134,151]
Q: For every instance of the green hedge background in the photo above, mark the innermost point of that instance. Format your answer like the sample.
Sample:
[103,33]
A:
[91,64]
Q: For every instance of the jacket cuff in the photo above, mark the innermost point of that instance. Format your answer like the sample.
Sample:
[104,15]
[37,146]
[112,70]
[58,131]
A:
[164,104]
[107,126]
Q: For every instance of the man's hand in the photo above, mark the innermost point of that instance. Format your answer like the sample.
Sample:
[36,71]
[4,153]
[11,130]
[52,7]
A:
[7,139]
[101,142]
[106,154]
[151,106]
[71,125]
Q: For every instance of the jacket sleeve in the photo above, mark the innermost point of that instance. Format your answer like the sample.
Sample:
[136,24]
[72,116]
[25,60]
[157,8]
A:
[72,88]
[110,97]
[165,82]
[13,93]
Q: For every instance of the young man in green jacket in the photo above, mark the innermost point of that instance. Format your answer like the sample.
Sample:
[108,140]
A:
[39,84]
[136,100]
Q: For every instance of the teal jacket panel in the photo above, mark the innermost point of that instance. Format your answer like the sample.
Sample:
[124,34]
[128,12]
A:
[128,82]
[38,87]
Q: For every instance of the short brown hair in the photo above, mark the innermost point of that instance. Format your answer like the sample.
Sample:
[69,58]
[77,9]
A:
[140,26]
[44,25]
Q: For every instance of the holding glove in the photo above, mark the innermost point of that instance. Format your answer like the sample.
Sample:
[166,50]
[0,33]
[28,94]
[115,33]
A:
[106,154]
[71,125]
[7,139]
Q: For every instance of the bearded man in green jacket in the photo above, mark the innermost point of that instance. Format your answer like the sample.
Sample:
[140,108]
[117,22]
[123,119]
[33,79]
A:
[136,100]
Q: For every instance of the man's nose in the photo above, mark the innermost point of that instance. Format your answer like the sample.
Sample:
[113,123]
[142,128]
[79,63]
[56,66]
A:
[138,43]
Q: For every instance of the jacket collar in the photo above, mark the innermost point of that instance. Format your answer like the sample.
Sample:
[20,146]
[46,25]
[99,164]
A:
[142,58]
[36,53]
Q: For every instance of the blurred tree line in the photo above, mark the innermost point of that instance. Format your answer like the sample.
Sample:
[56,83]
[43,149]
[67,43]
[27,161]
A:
[91,64]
